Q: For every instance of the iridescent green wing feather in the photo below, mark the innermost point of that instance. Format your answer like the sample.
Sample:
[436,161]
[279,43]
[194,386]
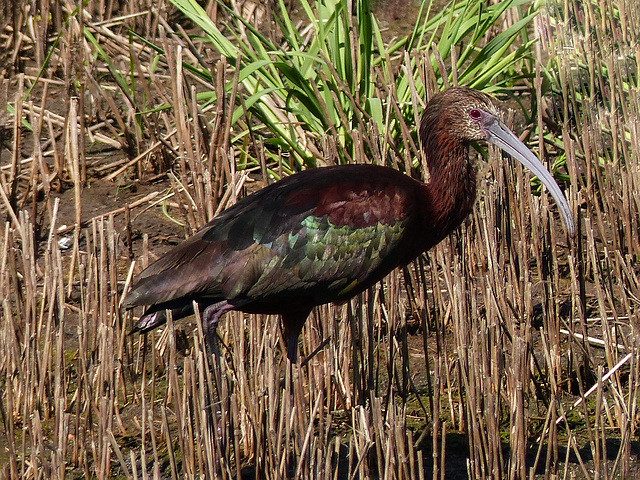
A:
[323,260]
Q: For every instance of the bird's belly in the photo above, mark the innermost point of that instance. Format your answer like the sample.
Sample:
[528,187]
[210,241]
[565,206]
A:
[337,291]
[294,301]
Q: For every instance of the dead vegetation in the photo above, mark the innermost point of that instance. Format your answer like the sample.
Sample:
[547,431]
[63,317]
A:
[509,333]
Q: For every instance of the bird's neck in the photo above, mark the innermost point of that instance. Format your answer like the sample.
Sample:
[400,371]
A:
[451,186]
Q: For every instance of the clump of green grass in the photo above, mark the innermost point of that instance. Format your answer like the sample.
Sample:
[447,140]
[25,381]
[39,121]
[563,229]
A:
[336,78]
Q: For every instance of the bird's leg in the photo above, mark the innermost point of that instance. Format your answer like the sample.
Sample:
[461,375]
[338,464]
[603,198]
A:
[292,348]
[210,318]
[292,324]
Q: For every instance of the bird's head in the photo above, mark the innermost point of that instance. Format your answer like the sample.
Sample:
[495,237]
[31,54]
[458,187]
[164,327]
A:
[462,115]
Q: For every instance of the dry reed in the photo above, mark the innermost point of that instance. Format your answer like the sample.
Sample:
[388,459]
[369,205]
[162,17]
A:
[527,344]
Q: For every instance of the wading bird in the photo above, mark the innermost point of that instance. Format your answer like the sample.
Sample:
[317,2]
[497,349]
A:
[326,234]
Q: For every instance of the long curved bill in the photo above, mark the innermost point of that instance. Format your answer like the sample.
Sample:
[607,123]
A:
[504,138]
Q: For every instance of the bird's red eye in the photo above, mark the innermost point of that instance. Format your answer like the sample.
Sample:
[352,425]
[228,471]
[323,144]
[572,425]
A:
[475,113]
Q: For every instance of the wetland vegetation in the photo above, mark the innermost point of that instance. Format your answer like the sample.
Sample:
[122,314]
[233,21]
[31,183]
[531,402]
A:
[509,351]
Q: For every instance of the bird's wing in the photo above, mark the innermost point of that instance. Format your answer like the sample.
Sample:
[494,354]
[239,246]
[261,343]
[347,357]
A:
[319,235]
[326,261]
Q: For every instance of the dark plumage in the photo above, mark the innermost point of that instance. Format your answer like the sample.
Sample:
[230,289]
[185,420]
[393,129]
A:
[326,234]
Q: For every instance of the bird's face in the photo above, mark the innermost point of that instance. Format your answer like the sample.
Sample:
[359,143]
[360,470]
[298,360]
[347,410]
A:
[472,118]
[461,113]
